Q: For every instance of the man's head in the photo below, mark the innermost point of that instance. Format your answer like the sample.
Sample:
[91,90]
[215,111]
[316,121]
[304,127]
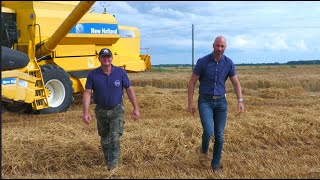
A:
[105,56]
[105,52]
[219,46]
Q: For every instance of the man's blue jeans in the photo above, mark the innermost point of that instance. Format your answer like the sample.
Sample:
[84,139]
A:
[213,115]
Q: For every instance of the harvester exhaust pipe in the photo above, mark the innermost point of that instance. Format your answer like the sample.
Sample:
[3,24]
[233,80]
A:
[64,28]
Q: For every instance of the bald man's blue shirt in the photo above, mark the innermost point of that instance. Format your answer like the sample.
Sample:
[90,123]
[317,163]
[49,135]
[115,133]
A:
[213,75]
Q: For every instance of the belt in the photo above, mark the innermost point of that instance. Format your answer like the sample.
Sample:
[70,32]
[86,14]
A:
[212,97]
[217,97]
[107,108]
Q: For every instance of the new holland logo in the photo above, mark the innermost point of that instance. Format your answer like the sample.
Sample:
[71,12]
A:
[117,83]
[79,28]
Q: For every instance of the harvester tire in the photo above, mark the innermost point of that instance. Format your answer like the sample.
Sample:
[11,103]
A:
[15,107]
[13,59]
[58,82]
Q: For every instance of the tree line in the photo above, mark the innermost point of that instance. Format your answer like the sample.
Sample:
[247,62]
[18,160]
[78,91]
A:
[300,62]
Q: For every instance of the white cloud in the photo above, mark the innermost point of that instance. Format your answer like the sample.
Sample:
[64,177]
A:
[301,46]
[253,29]
[242,41]
[276,42]
[165,12]
[177,43]
[121,7]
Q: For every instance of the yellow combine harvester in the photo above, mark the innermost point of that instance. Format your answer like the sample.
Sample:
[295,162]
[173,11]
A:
[48,48]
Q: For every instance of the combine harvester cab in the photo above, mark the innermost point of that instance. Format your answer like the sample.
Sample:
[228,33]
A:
[52,45]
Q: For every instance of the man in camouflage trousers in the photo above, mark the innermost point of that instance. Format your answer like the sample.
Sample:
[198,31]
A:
[106,83]
[110,128]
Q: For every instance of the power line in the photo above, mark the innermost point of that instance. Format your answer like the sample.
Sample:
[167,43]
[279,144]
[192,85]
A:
[272,27]
[224,28]
[165,32]
[166,37]
[141,29]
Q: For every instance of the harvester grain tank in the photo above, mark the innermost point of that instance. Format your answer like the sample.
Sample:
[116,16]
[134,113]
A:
[48,47]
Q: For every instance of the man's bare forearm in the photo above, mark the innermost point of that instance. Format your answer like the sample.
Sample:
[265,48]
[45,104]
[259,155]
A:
[192,84]
[86,101]
[190,92]
[132,97]
[237,91]
[236,86]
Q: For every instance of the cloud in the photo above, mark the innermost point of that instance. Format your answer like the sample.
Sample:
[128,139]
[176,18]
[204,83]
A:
[177,43]
[165,12]
[118,7]
[254,30]
[276,42]
[301,46]
[242,42]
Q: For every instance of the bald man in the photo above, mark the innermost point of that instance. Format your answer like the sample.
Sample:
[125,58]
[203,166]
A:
[212,71]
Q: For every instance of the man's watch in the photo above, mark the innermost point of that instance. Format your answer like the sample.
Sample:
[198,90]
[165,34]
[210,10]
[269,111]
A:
[240,100]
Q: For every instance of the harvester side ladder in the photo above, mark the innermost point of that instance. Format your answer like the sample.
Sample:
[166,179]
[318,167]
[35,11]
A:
[41,100]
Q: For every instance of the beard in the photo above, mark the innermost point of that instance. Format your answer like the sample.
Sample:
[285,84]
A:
[218,53]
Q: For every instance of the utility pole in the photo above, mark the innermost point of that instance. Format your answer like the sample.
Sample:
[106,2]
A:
[192,46]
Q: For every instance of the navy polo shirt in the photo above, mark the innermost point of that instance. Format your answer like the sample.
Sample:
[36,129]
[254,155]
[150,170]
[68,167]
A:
[213,75]
[107,89]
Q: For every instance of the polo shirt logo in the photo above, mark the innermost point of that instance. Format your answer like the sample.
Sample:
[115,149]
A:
[117,83]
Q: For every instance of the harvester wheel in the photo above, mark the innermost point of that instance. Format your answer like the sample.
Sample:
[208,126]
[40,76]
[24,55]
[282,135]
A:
[16,107]
[59,86]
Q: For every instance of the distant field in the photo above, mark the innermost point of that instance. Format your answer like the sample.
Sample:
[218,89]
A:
[278,136]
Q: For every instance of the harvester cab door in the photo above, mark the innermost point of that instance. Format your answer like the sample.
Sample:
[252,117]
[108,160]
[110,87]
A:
[8,27]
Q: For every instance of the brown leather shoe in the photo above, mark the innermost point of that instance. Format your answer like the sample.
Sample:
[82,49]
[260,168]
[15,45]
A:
[218,169]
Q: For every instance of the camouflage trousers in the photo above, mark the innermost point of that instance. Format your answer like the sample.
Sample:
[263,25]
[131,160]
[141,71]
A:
[110,128]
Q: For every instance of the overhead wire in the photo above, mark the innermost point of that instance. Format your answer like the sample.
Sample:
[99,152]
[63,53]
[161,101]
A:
[143,29]
[150,35]
[274,27]
[166,32]
[181,36]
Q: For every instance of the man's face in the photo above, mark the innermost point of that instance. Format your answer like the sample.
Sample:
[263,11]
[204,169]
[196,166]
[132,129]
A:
[105,60]
[219,46]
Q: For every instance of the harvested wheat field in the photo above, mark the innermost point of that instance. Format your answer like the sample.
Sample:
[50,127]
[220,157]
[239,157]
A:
[278,135]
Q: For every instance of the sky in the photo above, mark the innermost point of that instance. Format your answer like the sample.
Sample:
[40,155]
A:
[255,31]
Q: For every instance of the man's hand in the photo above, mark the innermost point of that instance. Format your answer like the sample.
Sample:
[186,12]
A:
[86,118]
[191,109]
[136,114]
[240,108]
